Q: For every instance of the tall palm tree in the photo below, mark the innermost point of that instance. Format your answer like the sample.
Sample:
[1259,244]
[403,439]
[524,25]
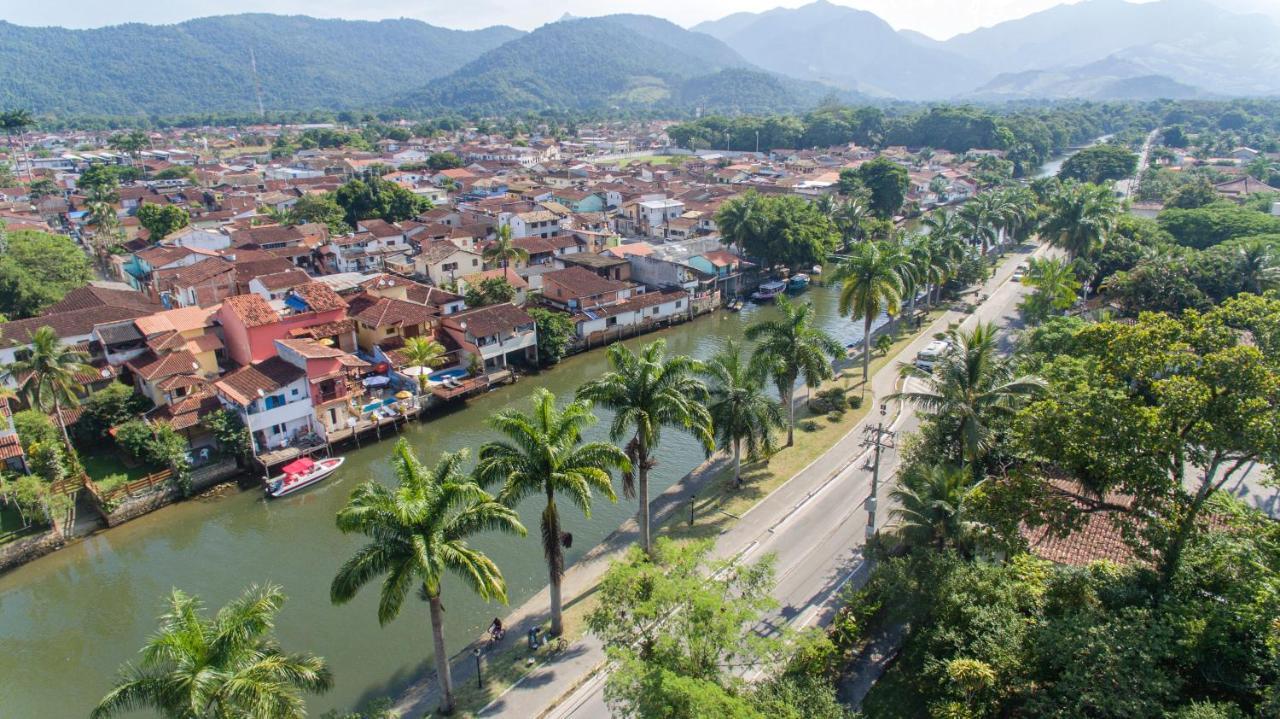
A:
[543,453]
[425,353]
[738,220]
[418,531]
[16,122]
[647,392]
[790,348]
[106,230]
[931,506]
[132,143]
[228,665]
[741,412]
[47,378]
[968,390]
[848,218]
[1080,218]
[503,250]
[871,283]
[1055,284]
[978,221]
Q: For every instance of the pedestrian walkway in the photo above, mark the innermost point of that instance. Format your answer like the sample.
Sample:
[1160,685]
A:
[560,674]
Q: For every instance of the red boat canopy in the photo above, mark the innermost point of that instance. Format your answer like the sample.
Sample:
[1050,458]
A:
[299,466]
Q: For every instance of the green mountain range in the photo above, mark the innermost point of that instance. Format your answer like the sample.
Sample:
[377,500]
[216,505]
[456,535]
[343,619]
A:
[612,62]
[206,65]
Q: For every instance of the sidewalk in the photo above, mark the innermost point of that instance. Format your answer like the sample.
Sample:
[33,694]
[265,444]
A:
[539,690]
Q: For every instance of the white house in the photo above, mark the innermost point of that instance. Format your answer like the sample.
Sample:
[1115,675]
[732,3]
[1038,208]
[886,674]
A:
[273,401]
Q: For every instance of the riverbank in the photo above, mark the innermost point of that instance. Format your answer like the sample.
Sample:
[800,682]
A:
[704,504]
[88,607]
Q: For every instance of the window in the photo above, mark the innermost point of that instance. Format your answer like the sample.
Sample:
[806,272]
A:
[679,304]
[294,392]
[277,429]
[655,311]
[275,400]
[611,322]
[391,330]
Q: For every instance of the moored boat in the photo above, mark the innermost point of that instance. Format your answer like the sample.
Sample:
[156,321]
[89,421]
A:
[301,473]
[768,291]
[798,282]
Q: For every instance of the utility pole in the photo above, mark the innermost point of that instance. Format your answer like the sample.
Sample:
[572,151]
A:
[880,438]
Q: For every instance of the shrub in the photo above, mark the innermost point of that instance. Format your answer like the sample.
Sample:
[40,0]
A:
[113,405]
[829,401]
[133,437]
[34,426]
[855,401]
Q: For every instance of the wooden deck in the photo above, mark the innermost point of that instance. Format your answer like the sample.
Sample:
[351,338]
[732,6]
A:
[475,384]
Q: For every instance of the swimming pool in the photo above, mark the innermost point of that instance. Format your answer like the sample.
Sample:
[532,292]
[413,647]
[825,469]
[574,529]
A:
[442,375]
[378,403]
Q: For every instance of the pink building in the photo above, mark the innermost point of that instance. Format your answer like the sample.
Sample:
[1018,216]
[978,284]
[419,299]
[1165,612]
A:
[251,324]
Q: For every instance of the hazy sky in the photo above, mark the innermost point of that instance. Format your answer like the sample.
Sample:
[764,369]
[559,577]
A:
[939,18]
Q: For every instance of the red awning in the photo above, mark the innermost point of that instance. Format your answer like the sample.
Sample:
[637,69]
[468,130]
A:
[299,466]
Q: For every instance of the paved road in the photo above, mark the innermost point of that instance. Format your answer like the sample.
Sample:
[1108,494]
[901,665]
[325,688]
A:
[815,525]
[1127,186]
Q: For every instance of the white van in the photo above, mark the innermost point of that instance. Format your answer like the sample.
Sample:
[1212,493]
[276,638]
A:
[928,357]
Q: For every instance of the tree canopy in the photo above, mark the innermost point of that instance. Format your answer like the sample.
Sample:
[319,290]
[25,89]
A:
[38,269]
[1099,163]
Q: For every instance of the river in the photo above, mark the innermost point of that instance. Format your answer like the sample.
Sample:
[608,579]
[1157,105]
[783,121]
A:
[70,619]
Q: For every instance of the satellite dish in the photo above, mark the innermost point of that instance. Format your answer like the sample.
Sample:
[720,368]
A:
[262,393]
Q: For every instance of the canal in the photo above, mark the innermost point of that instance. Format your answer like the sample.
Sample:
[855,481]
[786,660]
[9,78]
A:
[67,621]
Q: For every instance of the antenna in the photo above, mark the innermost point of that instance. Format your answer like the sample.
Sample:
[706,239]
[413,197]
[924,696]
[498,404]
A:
[257,85]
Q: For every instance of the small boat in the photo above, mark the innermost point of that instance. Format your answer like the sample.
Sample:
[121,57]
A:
[798,282]
[301,473]
[768,291]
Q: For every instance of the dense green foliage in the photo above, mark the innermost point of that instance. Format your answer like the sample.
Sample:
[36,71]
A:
[886,181]
[302,63]
[555,329]
[161,220]
[777,229]
[112,405]
[378,198]
[596,63]
[37,269]
[489,291]
[1210,225]
[1099,163]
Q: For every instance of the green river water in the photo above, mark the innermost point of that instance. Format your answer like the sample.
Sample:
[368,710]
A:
[68,620]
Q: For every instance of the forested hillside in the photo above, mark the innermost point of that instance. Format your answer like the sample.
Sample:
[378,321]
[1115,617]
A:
[205,65]
[618,61]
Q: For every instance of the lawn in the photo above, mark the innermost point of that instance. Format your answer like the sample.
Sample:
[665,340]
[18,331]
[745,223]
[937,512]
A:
[102,462]
[11,524]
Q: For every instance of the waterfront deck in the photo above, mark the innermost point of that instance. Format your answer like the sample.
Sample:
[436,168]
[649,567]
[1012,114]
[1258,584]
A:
[472,386]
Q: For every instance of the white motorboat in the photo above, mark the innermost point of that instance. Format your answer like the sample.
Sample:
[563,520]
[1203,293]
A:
[301,473]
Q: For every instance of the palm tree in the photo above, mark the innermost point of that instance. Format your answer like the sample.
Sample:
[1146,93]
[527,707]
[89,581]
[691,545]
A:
[418,531]
[931,507]
[792,347]
[740,410]
[228,665]
[649,391]
[978,220]
[132,143]
[47,378]
[1258,265]
[106,230]
[871,283]
[503,250]
[1080,219]
[424,353]
[543,453]
[738,220]
[1056,286]
[968,390]
[16,122]
[848,219]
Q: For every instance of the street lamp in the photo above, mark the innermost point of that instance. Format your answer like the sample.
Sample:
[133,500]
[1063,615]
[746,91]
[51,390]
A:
[475,652]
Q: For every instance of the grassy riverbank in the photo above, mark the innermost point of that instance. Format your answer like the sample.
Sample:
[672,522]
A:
[718,507]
